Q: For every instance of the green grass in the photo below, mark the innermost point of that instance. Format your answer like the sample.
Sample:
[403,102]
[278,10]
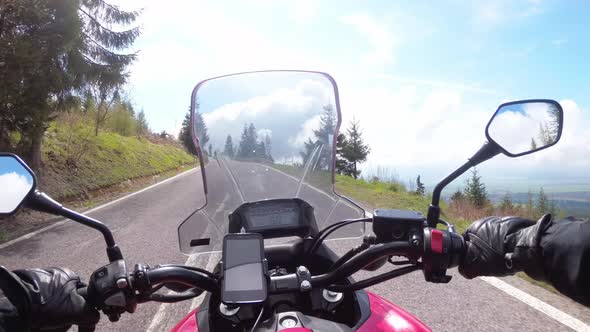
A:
[76,162]
[374,194]
[389,195]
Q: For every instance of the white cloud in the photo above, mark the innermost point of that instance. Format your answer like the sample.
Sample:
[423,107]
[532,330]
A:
[304,11]
[496,12]
[16,186]
[288,113]
[378,36]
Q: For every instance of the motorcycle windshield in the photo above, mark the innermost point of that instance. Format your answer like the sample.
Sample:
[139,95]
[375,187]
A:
[265,135]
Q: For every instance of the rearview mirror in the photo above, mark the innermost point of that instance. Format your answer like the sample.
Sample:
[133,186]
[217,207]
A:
[522,127]
[17,181]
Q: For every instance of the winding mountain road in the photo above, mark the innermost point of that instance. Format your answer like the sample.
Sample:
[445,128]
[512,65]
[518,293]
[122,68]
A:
[145,227]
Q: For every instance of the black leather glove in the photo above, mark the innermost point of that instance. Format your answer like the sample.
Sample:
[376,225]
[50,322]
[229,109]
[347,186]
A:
[503,246]
[48,298]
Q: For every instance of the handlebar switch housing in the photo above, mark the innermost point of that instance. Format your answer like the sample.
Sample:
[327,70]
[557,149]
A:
[442,250]
[396,225]
[105,293]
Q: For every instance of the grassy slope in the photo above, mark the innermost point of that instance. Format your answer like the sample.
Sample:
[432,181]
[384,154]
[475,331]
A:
[108,159]
[384,195]
[388,195]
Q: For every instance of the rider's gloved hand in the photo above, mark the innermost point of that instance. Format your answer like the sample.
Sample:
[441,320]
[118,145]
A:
[47,298]
[503,246]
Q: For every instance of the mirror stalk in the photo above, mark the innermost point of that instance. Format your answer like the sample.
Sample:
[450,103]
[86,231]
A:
[486,152]
[40,201]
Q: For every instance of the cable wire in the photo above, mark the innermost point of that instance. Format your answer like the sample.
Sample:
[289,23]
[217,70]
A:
[258,319]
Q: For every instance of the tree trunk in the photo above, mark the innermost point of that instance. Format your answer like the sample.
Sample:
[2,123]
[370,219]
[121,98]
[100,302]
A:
[97,122]
[355,175]
[34,155]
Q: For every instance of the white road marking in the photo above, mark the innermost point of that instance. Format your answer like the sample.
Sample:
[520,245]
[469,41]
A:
[535,303]
[59,223]
[160,315]
[160,318]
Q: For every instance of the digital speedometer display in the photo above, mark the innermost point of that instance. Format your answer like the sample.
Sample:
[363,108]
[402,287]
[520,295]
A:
[274,215]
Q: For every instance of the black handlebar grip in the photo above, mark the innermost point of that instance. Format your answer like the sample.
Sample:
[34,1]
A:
[83,291]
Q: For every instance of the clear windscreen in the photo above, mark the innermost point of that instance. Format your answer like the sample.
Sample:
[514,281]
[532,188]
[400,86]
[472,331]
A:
[262,136]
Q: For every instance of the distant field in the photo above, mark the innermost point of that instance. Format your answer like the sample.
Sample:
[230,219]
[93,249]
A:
[576,203]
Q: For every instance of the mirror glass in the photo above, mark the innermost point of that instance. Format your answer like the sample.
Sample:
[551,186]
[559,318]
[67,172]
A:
[265,135]
[524,127]
[16,182]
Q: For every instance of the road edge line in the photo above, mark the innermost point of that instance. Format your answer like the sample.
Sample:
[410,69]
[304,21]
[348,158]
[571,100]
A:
[59,223]
[537,304]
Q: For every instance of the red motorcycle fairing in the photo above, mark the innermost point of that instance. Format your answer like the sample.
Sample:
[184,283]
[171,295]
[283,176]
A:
[385,316]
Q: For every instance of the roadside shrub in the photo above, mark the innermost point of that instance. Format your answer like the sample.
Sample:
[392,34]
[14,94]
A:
[122,122]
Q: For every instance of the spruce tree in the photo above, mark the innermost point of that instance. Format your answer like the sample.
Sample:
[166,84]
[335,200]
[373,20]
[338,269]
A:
[420,189]
[475,191]
[356,151]
[324,136]
[248,145]
[141,127]
[184,136]
[268,146]
[543,203]
[530,205]
[506,204]
[457,197]
[228,149]
[343,166]
[52,52]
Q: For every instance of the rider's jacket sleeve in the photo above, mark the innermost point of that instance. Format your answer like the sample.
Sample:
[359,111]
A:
[566,257]
[10,317]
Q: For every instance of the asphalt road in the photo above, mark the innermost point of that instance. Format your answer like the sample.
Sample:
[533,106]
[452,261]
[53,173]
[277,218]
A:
[145,227]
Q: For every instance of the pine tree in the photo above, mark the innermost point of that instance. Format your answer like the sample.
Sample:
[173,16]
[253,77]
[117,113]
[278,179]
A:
[553,209]
[309,147]
[545,135]
[355,151]
[420,189]
[228,149]
[554,124]
[533,144]
[253,141]
[530,206]
[142,126]
[185,135]
[506,204]
[268,146]
[52,52]
[242,146]
[343,166]
[457,197]
[475,191]
[543,203]
[201,128]
[248,142]
[324,135]
[260,153]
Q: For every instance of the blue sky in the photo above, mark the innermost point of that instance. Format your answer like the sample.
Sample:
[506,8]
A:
[16,182]
[423,77]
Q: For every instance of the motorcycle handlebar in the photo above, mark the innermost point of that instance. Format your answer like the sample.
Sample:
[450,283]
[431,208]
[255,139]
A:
[182,276]
[363,259]
[437,251]
[291,282]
